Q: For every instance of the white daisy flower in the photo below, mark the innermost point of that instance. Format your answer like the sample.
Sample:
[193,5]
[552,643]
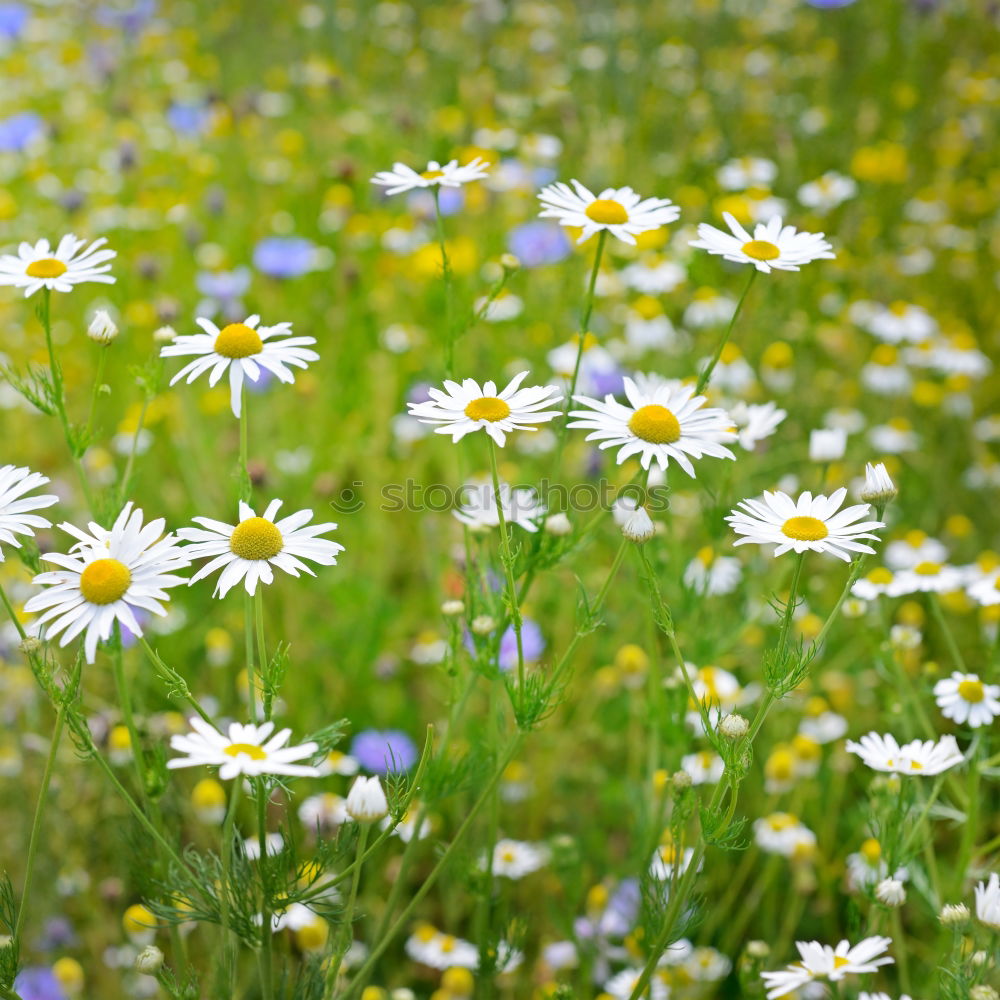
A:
[755,422]
[467,407]
[622,985]
[104,578]
[918,757]
[479,507]
[663,424]
[820,961]
[746,172]
[881,996]
[770,247]
[245,749]
[242,348]
[432,948]
[39,266]
[827,192]
[620,211]
[654,276]
[703,768]
[827,444]
[450,175]
[901,322]
[247,550]
[913,548]
[964,698]
[804,524]
[514,859]
[323,812]
[926,578]
[988,902]
[783,834]
[711,574]
[986,591]
[15,518]
[707,965]
[866,867]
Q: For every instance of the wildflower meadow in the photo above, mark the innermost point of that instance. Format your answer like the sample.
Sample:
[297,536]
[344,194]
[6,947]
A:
[499,500]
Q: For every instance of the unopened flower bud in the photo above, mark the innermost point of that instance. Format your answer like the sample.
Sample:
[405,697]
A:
[558,524]
[758,949]
[510,263]
[734,727]
[149,961]
[102,327]
[366,801]
[954,914]
[638,526]
[164,335]
[983,992]
[879,489]
[890,892]
[30,645]
[483,625]
[452,608]
[680,780]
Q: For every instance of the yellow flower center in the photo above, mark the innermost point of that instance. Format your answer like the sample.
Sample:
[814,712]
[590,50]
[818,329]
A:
[656,424]
[507,855]
[249,749]
[256,538]
[805,529]
[237,340]
[880,576]
[104,581]
[761,250]
[432,175]
[47,267]
[916,537]
[915,765]
[971,691]
[839,961]
[899,308]
[489,408]
[871,850]
[927,569]
[606,212]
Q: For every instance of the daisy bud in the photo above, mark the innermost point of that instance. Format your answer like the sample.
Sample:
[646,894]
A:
[638,526]
[102,328]
[680,780]
[827,445]
[452,608]
[758,949]
[954,914]
[510,263]
[879,489]
[558,524]
[30,646]
[734,727]
[483,625]
[983,992]
[164,335]
[149,961]
[891,892]
[366,801]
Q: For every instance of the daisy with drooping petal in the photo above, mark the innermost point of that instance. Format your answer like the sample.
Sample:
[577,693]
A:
[15,507]
[820,961]
[107,576]
[247,550]
[39,266]
[245,749]
[964,698]
[770,247]
[918,757]
[463,408]
[242,348]
[809,523]
[450,175]
[620,211]
[662,423]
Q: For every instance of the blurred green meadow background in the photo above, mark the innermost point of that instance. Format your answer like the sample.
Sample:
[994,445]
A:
[226,152]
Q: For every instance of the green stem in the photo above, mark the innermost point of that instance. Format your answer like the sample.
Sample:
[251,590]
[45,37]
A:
[266,933]
[36,825]
[245,482]
[228,946]
[102,360]
[348,934]
[248,623]
[508,563]
[707,373]
[12,614]
[174,680]
[133,451]
[125,703]
[949,637]
[449,289]
[258,604]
